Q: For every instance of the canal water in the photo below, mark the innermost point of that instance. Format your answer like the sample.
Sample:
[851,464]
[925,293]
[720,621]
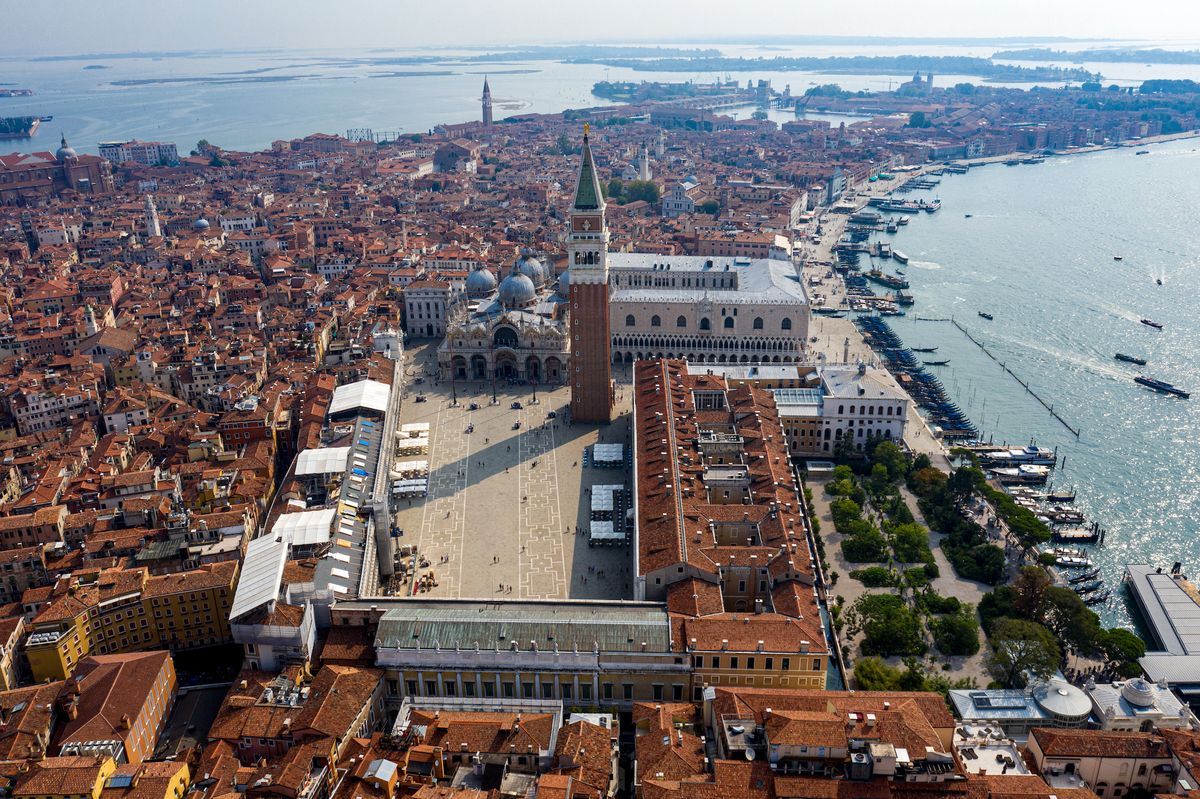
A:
[1038,253]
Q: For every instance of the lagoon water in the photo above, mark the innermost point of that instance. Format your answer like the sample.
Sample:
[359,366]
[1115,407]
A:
[1038,254]
[245,101]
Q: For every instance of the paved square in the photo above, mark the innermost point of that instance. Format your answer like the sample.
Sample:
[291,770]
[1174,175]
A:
[504,504]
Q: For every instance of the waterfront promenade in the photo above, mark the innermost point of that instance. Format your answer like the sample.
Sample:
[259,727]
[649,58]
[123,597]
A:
[838,340]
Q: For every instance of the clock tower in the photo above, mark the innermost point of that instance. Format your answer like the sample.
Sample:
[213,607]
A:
[591,339]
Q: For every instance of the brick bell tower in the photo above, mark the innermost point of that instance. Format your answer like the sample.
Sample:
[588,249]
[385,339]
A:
[591,339]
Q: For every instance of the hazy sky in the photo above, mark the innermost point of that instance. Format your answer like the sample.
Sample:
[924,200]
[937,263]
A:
[72,26]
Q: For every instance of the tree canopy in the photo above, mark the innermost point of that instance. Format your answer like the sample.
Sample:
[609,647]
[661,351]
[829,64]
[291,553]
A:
[888,626]
[1020,647]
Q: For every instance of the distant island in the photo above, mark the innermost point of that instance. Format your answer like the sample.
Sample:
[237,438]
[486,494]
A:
[211,80]
[870,65]
[594,53]
[630,92]
[18,127]
[1153,56]
[97,66]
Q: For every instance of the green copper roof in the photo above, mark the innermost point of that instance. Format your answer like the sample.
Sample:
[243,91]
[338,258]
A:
[587,194]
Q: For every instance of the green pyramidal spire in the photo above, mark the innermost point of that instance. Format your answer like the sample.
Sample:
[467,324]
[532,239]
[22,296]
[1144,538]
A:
[588,196]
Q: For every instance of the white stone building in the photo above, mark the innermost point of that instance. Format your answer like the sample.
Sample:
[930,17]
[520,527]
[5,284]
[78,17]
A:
[706,309]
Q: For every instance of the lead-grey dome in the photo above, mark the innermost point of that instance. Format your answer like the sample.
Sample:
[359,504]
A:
[1061,699]
[532,268]
[200,224]
[65,151]
[1138,692]
[517,291]
[564,282]
[480,283]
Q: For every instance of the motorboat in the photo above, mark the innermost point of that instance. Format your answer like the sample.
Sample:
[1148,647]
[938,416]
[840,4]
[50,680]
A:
[1061,495]
[1161,386]
[1027,474]
[1043,456]
[986,316]
[1077,535]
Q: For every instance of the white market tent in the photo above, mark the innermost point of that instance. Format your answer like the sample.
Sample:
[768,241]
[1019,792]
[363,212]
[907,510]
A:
[608,454]
[411,469]
[307,528]
[602,497]
[366,394]
[603,531]
[322,460]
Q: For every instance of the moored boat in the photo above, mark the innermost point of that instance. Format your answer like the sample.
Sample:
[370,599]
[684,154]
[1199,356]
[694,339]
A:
[1042,456]
[1026,474]
[1083,578]
[1077,535]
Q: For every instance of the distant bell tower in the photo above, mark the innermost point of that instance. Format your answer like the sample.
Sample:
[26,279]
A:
[487,103]
[591,339]
[153,228]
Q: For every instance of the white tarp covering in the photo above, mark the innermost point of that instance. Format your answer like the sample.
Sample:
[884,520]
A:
[323,460]
[307,528]
[603,531]
[369,394]
[608,453]
[262,571]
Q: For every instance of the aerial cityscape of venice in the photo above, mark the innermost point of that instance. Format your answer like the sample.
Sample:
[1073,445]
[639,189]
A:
[648,401]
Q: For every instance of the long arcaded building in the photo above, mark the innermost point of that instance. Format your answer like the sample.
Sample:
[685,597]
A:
[720,533]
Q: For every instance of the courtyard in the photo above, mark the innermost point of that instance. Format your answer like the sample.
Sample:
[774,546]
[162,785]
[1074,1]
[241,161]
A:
[508,504]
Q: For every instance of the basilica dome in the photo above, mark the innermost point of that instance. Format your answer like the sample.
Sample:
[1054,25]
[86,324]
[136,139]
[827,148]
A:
[480,283]
[532,268]
[517,291]
[564,283]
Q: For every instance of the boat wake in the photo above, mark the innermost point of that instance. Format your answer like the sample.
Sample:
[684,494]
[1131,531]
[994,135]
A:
[1066,357]
[929,265]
